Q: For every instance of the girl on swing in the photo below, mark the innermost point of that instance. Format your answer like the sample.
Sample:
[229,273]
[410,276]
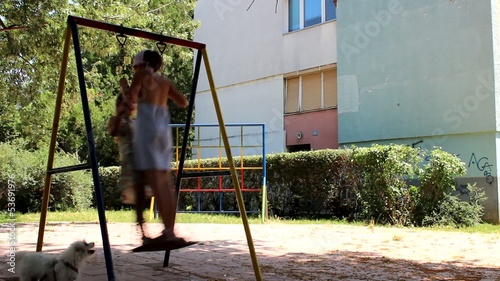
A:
[153,137]
[120,126]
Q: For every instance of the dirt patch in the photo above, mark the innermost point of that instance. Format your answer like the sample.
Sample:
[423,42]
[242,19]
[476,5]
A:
[284,252]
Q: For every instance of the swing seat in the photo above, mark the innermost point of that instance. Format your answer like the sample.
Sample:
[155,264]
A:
[162,244]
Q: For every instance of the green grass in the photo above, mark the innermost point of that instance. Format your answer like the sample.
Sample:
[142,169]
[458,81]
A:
[125,216]
[128,216]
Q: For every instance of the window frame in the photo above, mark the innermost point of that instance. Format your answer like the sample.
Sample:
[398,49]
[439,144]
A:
[299,102]
[302,15]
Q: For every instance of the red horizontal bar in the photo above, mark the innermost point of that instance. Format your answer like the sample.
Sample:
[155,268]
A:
[136,32]
[218,190]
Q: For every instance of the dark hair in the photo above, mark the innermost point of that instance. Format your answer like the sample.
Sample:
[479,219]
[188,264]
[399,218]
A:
[153,58]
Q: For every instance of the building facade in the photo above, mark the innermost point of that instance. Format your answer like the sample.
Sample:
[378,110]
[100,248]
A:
[273,63]
[423,73]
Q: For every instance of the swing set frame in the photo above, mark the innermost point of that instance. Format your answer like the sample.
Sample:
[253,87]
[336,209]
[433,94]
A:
[72,33]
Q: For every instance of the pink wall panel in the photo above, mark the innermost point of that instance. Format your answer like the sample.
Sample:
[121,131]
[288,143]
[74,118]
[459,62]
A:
[324,123]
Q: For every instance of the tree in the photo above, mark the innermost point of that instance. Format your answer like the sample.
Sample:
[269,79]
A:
[31,45]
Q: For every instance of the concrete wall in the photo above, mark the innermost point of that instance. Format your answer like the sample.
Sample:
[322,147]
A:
[249,51]
[259,101]
[414,68]
[313,128]
[423,73]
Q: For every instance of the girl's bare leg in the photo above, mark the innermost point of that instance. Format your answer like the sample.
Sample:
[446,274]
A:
[140,202]
[171,202]
[165,197]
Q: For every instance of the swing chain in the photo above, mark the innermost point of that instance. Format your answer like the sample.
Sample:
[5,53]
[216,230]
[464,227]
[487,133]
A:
[161,47]
[122,39]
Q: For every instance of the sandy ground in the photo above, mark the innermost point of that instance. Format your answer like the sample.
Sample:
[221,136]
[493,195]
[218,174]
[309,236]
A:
[284,252]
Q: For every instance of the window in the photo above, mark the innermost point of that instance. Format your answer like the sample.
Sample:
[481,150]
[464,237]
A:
[294,15]
[312,12]
[304,13]
[312,91]
[292,95]
[331,13]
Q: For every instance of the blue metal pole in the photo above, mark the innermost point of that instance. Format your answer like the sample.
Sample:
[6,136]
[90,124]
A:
[93,159]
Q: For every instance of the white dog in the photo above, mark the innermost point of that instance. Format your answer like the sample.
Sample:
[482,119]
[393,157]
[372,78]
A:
[46,267]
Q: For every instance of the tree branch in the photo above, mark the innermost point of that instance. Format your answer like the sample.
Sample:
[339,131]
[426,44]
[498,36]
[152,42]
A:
[13,27]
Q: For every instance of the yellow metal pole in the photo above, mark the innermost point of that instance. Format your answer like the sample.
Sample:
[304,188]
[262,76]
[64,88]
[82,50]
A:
[239,196]
[151,208]
[53,140]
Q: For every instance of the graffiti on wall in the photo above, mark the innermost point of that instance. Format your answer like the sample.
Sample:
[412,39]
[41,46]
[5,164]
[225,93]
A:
[481,164]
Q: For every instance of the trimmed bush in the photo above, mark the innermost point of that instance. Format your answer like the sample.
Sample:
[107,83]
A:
[110,189]
[385,194]
[390,184]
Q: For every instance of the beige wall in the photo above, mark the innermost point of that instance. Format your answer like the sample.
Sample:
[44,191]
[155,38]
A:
[318,128]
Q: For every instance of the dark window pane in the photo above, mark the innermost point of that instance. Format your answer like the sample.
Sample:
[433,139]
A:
[293,15]
[312,12]
[331,14]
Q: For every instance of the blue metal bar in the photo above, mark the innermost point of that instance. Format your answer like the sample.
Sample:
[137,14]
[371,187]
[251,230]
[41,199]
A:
[69,168]
[93,159]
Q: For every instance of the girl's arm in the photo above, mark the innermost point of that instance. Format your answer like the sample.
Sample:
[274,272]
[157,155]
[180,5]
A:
[177,97]
[132,92]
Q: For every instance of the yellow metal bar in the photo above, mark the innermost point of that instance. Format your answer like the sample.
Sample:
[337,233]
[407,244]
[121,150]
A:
[151,209]
[53,140]
[264,204]
[239,196]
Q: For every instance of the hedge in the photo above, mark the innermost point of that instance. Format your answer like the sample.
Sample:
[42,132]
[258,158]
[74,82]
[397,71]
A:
[391,184]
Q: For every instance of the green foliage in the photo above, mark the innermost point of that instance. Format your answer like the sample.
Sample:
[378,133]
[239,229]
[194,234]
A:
[437,181]
[343,199]
[378,183]
[27,169]
[296,179]
[110,189]
[31,62]
[452,211]
[384,191]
